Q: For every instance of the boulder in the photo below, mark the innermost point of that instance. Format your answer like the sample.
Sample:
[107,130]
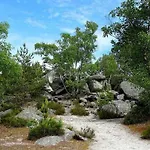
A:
[95,86]
[48,88]
[82,99]
[131,90]
[86,89]
[68,135]
[117,107]
[50,76]
[30,113]
[97,77]
[3,113]
[49,140]
[122,107]
[120,97]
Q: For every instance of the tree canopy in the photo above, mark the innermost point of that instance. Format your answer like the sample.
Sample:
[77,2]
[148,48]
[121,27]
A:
[132,38]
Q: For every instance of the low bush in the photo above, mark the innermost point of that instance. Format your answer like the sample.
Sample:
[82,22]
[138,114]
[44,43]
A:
[45,105]
[87,132]
[59,108]
[7,105]
[79,110]
[146,133]
[103,114]
[47,127]
[104,98]
[141,112]
[11,121]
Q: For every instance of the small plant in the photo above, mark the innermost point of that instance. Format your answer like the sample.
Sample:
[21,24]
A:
[46,105]
[59,109]
[32,123]
[103,114]
[87,133]
[79,110]
[47,127]
[104,98]
[5,106]
[146,133]
[11,120]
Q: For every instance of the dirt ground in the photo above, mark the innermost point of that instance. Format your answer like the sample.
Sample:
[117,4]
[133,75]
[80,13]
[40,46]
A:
[16,139]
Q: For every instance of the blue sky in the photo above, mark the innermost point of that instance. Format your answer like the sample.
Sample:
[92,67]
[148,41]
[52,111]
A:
[34,21]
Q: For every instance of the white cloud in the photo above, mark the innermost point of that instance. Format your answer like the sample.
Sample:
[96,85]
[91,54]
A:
[35,23]
[68,30]
[75,16]
[104,44]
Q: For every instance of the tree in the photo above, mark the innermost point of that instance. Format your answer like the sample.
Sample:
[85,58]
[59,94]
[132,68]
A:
[108,65]
[10,70]
[32,80]
[132,39]
[71,55]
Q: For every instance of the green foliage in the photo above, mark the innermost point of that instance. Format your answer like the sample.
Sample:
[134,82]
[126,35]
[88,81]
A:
[141,112]
[103,114]
[87,132]
[32,123]
[11,120]
[32,80]
[47,127]
[7,105]
[104,98]
[72,56]
[108,65]
[59,108]
[44,106]
[79,110]
[132,39]
[146,133]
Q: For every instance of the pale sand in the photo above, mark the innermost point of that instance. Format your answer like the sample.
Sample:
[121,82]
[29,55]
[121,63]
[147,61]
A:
[110,134]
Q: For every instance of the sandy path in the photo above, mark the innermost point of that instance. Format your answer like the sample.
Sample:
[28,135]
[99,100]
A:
[110,134]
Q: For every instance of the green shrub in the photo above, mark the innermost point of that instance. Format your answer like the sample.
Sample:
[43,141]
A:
[45,105]
[11,120]
[87,132]
[59,109]
[141,112]
[79,110]
[104,98]
[7,105]
[103,114]
[146,133]
[47,127]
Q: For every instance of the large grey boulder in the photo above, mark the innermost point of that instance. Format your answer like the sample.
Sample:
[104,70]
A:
[3,113]
[122,107]
[95,86]
[50,76]
[131,90]
[30,113]
[97,77]
[120,97]
[117,107]
[49,140]
[48,88]
[53,140]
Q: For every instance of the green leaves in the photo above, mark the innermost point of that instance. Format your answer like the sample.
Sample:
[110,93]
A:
[71,55]
[132,44]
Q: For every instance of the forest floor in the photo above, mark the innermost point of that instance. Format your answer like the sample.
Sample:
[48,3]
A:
[110,135]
